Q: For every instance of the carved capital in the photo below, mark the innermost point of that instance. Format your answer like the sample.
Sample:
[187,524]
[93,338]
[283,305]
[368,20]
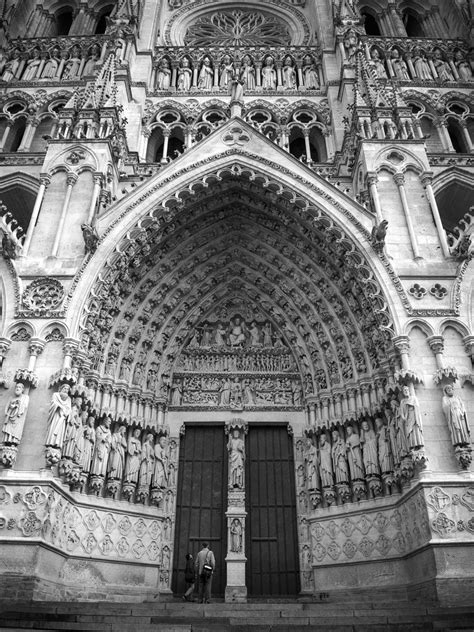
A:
[399,179]
[401,344]
[71,179]
[436,344]
[469,346]
[426,178]
[5,344]
[70,345]
[372,178]
[236,424]
[36,346]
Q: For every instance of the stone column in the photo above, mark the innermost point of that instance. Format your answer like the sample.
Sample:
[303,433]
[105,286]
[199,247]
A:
[236,589]
[426,180]
[372,179]
[71,181]
[400,182]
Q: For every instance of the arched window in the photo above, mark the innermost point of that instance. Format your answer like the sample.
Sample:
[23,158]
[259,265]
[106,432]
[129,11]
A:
[43,133]
[18,193]
[102,21]
[453,203]
[15,135]
[412,22]
[64,20]
[370,24]
[457,137]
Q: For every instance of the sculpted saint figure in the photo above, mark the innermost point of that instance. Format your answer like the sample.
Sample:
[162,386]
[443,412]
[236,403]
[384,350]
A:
[116,461]
[378,64]
[163,79]
[339,462]
[383,446]
[206,75]
[184,76]
[289,74]
[132,465]
[325,462]
[52,65]
[269,74]
[15,413]
[456,416]
[369,449]
[147,461]
[248,73]
[32,66]
[442,67]
[422,67]
[354,454]
[463,67]
[399,65]
[59,411]
[12,66]
[310,74]
[224,392]
[236,448]
[226,72]
[87,445]
[411,416]
[72,445]
[92,63]
[160,471]
[255,336]
[311,465]
[237,332]
[220,335]
[236,536]
[103,441]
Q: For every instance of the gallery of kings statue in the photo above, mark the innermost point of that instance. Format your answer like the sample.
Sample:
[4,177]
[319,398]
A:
[236,297]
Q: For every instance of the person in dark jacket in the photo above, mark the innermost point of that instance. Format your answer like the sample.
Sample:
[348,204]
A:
[205,557]
[189,578]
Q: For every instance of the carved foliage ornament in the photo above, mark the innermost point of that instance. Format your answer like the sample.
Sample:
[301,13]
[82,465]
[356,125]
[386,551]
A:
[238,28]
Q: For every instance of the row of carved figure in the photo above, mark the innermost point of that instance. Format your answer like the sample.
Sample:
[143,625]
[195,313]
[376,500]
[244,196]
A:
[209,75]
[365,453]
[92,454]
[421,67]
[57,65]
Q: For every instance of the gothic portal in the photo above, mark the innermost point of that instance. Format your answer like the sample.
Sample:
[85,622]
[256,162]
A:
[236,297]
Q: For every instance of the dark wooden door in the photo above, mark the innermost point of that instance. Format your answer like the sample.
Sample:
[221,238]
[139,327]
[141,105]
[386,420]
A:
[271,534]
[201,501]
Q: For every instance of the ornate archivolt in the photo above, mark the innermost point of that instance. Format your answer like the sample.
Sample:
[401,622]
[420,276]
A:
[239,244]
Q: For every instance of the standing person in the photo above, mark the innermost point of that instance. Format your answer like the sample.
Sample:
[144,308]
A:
[205,558]
[189,578]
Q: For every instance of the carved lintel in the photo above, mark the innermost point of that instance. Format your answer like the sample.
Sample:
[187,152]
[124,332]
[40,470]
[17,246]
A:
[8,454]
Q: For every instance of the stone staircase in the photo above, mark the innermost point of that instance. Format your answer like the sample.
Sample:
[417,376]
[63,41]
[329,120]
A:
[290,616]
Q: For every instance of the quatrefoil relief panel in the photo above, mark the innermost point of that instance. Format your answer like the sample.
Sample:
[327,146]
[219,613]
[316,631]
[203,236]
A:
[43,296]
[438,291]
[417,291]
[236,136]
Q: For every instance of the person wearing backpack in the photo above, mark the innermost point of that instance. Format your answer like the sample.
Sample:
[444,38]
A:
[205,565]
[189,578]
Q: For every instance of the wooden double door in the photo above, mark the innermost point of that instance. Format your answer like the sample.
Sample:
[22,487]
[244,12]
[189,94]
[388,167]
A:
[271,529]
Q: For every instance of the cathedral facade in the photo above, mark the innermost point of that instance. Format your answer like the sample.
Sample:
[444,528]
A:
[236,297]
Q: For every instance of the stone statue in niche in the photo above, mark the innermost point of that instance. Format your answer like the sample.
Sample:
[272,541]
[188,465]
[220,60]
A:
[88,432]
[116,461]
[224,392]
[147,462]
[236,535]
[59,411]
[163,78]
[73,434]
[310,74]
[456,416]
[369,449]
[463,67]
[236,448]
[226,72]
[421,65]
[351,45]
[442,67]
[268,74]
[185,74]
[177,393]
[91,238]
[399,65]
[383,446]
[338,453]
[160,471]
[237,332]
[206,75]
[378,64]
[325,461]
[354,454]
[311,465]
[247,74]
[15,413]
[289,74]
[103,442]
[132,465]
[411,416]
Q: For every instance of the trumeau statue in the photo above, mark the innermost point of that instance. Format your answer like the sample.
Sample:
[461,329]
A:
[15,413]
[236,448]
[411,416]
